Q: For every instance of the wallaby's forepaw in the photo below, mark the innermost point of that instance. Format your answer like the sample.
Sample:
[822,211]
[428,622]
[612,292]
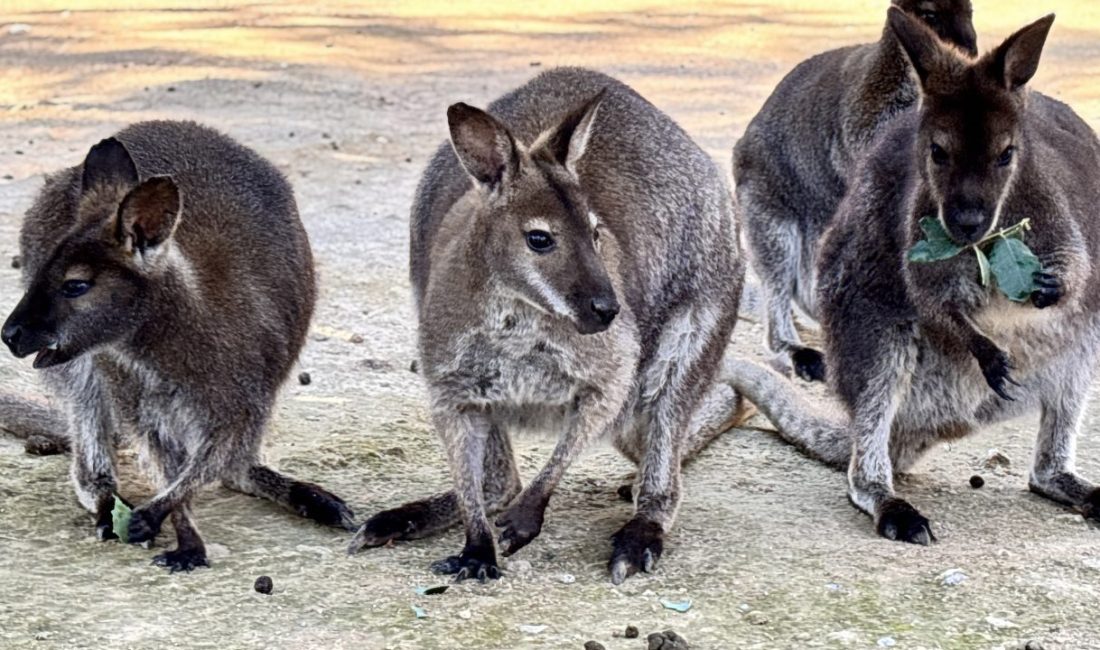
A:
[997,368]
[521,523]
[144,526]
[636,547]
[809,364]
[1090,509]
[182,559]
[1049,291]
[314,502]
[899,521]
[470,564]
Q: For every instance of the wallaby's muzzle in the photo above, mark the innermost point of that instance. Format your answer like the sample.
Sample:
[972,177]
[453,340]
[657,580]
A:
[25,335]
[967,226]
[595,314]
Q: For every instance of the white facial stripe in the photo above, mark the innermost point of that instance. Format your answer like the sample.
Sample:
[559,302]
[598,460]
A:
[555,300]
[593,220]
[1004,195]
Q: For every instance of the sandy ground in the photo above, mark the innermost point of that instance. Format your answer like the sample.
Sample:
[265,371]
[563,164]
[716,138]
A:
[349,101]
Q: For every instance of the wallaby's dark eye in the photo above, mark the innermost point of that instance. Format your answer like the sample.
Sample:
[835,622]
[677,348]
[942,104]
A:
[1006,156]
[930,17]
[540,241]
[595,234]
[75,288]
[939,155]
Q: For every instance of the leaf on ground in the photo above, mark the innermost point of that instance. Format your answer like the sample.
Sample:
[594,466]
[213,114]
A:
[120,519]
[431,591]
[936,245]
[419,611]
[983,266]
[1014,266]
[677,605]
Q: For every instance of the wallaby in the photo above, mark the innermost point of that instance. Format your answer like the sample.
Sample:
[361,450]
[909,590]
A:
[792,163]
[576,269]
[914,348]
[169,287]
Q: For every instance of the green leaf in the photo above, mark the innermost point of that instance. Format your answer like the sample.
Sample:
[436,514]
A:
[983,266]
[120,519]
[935,246]
[1014,266]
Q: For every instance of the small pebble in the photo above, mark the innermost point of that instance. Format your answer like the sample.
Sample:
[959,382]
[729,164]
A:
[995,459]
[1033,645]
[263,585]
[16,262]
[887,642]
[356,338]
[304,378]
[756,617]
[631,632]
[594,645]
[976,482]
[567,579]
[414,367]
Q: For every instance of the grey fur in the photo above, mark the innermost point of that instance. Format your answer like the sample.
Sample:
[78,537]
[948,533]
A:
[922,352]
[792,162]
[505,340]
[201,292]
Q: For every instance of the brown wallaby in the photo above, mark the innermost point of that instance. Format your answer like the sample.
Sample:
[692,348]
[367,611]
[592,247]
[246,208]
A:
[169,287]
[792,163]
[575,266]
[914,348]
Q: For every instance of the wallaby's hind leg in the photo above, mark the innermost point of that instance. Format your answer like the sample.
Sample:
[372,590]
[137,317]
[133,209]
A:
[1053,472]
[425,517]
[776,246]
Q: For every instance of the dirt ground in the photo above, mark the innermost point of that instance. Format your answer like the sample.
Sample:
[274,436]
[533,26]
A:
[348,99]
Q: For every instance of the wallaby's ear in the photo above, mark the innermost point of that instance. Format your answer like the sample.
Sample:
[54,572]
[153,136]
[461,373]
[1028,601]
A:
[567,142]
[108,163]
[1016,60]
[483,145]
[148,215]
[920,43]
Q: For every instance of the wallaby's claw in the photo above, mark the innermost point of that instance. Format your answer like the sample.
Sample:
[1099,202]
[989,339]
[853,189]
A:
[1049,291]
[636,547]
[182,559]
[901,522]
[997,367]
[466,566]
[521,524]
[809,364]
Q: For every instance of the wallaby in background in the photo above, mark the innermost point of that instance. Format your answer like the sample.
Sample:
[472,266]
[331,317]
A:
[792,163]
[576,269]
[169,287]
[914,349]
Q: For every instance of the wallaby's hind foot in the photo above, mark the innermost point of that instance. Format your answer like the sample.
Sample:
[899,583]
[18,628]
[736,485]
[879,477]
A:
[410,521]
[636,547]
[309,500]
[896,520]
[190,552]
[809,364]
[478,560]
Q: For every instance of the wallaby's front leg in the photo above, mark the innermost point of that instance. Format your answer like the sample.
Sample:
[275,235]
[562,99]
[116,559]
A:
[593,415]
[1053,471]
[995,364]
[93,464]
[464,433]
[194,471]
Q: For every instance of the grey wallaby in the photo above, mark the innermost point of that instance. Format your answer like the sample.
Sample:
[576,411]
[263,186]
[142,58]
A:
[169,288]
[576,269]
[923,352]
[792,162]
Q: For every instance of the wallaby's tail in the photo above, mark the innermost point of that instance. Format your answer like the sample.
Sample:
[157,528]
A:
[33,420]
[410,521]
[822,435]
[307,499]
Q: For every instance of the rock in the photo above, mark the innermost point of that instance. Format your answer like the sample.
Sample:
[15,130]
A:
[996,460]
[952,577]
[414,367]
[667,640]
[631,632]
[356,338]
[756,617]
[304,379]
[594,645]
[532,629]
[263,585]
[887,642]
[1031,645]
[567,579]
[42,446]
[976,482]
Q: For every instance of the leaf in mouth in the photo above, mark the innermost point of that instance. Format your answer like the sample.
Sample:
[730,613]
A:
[936,245]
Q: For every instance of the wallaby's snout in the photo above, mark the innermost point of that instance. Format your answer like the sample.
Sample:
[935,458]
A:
[25,334]
[606,308]
[594,311]
[967,221]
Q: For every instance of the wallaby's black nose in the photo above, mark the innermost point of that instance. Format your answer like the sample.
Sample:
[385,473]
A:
[606,309]
[11,334]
